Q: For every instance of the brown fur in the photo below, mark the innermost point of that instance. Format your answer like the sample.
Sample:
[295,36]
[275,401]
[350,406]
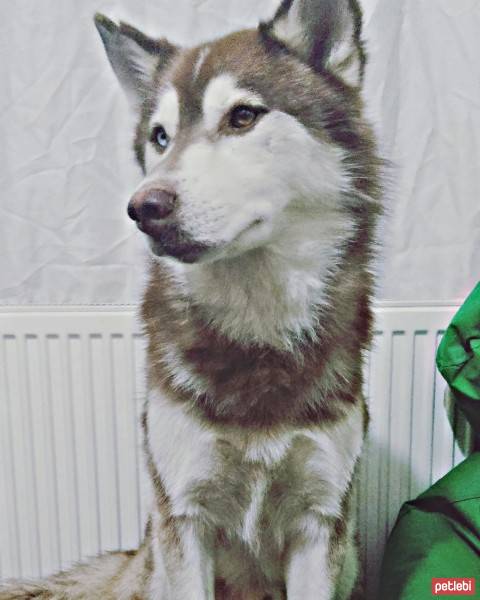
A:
[101,579]
[255,386]
[250,388]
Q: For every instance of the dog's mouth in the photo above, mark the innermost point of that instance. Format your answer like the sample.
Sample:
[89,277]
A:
[167,239]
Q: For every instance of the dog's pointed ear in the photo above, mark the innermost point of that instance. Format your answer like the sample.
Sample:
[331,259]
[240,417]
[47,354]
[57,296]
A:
[135,57]
[326,34]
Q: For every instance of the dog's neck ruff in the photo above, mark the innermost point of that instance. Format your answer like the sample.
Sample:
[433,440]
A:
[267,297]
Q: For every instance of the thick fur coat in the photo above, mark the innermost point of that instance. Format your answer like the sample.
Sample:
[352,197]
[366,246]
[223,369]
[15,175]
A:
[260,200]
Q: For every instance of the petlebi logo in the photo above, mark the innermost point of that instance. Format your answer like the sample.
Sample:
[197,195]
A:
[453,586]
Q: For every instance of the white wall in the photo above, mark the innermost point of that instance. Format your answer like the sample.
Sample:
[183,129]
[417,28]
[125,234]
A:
[423,89]
[65,159]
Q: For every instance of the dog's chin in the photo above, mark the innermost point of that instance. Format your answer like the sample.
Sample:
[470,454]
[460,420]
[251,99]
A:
[188,254]
[169,240]
[177,245]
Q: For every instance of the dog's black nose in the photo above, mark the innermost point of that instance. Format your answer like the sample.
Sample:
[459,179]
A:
[151,205]
[132,213]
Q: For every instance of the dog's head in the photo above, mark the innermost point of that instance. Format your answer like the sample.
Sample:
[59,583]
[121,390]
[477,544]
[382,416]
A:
[242,137]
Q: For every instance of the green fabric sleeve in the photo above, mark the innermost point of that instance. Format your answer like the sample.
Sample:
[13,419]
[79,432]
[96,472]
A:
[458,358]
[437,535]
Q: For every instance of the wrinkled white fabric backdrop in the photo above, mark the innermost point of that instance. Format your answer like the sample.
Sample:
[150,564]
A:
[66,166]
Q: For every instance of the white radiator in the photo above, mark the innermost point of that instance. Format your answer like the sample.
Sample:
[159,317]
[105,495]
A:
[71,390]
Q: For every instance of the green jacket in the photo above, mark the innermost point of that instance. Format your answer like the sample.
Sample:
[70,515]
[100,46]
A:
[458,360]
[438,534]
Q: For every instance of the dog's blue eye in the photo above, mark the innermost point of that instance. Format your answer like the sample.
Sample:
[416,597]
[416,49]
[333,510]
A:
[159,138]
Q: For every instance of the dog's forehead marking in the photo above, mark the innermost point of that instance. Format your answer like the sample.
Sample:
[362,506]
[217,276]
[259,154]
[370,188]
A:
[202,57]
[222,93]
[167,112]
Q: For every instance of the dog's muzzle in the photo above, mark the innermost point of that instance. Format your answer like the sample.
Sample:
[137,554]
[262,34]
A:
[154,212]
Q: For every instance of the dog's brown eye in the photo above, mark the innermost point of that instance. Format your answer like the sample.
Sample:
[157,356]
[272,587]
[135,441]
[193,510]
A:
[243,116]
[159,138]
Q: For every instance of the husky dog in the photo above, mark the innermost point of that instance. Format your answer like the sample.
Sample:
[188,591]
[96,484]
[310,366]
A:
[259,202]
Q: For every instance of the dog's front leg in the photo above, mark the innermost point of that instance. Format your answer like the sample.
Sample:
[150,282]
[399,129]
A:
[310,572]
[196,579]
[188,563]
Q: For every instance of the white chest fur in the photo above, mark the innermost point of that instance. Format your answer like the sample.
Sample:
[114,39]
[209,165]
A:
[252,486]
